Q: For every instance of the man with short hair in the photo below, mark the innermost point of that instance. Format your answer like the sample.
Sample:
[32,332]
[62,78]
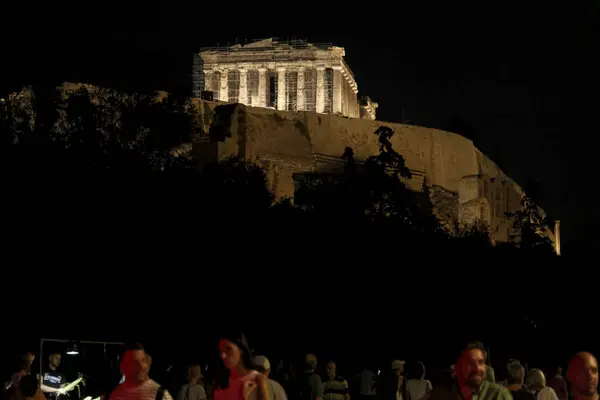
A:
[276,391]
[515,379]
[336,387]
[582,374]
[559,385]
[470,382]
[310,386]
[53,382]
[135,365]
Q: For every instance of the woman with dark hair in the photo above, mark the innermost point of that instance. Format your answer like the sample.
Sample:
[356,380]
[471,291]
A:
[239,380]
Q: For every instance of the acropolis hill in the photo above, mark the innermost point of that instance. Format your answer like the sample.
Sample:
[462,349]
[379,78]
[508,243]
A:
[465,185]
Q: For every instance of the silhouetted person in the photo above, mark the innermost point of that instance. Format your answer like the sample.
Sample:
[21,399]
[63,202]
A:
[392,386]
[194,388]
[470,382]
[276,391]
[536,382]
[582,374]
[24,369]
[335,387]
[559,385]
[27,389]
[310,386]
[367,381]
[515,379]
[418,387]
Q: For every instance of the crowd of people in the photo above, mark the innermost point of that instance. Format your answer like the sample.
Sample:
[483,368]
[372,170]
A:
[244,376]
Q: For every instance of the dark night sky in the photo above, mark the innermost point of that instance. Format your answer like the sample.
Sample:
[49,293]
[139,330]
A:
[523,74]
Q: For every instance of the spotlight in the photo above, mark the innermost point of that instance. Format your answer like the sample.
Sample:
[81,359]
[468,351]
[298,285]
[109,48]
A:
[72,350]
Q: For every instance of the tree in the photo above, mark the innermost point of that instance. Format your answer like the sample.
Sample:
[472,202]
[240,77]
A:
[369,194]
[102,130]
[531,224]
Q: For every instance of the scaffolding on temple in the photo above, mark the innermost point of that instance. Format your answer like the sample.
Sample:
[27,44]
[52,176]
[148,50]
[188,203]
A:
[252,84]
[233,89]
[310,89]
[291,91]
[272,89]
[215,85]
[197,76]
[328,91]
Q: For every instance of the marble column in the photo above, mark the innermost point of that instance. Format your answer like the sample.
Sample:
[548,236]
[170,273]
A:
[337,89]
[281,89]
[300,95]
[224,93]
[208,80]
[262,87]
[320,89]
[243,99]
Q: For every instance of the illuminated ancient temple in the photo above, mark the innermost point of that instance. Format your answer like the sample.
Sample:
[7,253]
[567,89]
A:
[287,76]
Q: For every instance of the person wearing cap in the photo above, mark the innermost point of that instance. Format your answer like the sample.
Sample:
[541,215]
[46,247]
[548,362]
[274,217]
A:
[276,391]
[241,380]
[470,382]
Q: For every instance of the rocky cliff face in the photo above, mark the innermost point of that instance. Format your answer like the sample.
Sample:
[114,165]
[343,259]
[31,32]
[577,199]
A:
[465,186]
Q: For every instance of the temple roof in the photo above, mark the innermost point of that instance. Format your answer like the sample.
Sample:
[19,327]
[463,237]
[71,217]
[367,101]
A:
[271,43]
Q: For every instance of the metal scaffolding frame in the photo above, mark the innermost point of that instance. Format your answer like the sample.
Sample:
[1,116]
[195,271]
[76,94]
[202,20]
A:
[310,89]
[272,89]
[291,91]
[215,85]
[328,91]
[276,45]
[252,85]
[197,76]
[233,86]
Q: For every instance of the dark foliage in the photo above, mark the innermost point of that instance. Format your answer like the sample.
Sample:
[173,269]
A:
[101,161]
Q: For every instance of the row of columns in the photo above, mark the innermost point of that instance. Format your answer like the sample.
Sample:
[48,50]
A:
[281,92]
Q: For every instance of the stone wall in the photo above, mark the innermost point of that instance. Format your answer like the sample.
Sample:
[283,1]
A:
[465,185]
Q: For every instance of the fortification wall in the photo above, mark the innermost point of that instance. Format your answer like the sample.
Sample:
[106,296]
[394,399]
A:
[465,185]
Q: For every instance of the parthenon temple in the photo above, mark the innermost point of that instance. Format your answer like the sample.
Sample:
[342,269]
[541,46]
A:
[286,76]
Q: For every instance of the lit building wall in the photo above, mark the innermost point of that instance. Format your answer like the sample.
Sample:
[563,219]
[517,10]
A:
[286,76]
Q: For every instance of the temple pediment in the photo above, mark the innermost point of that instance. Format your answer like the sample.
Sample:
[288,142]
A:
[260,43]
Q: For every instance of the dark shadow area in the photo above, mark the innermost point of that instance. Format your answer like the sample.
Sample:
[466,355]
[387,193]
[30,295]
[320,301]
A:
[97,160]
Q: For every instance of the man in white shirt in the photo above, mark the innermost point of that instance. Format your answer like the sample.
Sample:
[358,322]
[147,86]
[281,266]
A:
[276,391]
[135,366]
